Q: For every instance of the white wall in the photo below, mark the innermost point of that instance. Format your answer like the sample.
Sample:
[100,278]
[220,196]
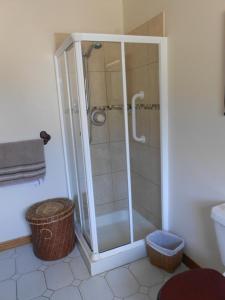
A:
[197,126]
[28,97]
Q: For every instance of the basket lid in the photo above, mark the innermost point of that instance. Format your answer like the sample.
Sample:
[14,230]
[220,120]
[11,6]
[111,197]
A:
[49,210]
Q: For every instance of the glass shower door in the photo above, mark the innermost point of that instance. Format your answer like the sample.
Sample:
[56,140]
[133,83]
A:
[106,125]
[75,142]
[142,74]
[68,129]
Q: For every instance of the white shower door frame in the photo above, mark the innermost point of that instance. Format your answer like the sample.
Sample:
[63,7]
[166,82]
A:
[77,38]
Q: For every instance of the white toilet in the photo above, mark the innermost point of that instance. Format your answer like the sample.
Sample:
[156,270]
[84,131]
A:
[218,215]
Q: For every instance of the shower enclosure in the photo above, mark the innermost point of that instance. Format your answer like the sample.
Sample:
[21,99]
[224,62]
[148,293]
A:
[113,108]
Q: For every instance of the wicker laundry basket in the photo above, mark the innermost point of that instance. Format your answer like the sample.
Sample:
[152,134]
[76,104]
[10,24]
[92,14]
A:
[52,226]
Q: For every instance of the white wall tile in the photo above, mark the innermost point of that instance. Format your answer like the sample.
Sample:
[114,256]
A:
[104,208]
[153,82]
[97,87]
[114,88]
[147,199]
[100,158]
[121,204]
[136,55]
[146,162]
[153,53]
[103,189]
[120,185]
[96,59]
[146,125]
[111,207]
[116,126]
[118,156]
[155,165]
[112,56]
[155,129]
[99,134]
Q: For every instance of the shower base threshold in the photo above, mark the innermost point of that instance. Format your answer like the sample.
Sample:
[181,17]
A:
[114,240]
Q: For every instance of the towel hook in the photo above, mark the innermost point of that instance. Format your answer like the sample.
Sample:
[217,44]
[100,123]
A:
[45,137]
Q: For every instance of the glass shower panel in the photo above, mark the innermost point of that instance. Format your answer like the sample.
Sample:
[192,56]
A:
[68,127]
[82,210]
[142,73]
[105,110]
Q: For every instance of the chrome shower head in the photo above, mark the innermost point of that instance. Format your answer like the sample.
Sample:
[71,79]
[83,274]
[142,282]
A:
[96,45]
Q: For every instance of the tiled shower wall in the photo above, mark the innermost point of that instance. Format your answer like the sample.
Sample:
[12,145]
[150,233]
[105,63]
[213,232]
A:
[107,141]
[143,74]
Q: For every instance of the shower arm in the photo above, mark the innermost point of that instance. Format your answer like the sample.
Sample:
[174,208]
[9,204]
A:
[137,96]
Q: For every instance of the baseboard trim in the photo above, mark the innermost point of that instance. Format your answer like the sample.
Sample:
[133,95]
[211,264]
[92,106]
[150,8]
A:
[15,243]
[191,264]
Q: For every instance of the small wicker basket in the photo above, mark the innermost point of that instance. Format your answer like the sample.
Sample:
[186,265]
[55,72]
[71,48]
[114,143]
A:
[165,250]
[52,226]
[168,263]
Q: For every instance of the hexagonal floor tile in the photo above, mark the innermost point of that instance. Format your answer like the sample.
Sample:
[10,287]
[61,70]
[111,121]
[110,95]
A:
[67,293]
[8,290]
[58,276]
[26,261]
[7,268]
[79,269]
[76,282]
[75,252]
[122,282]
[48,293]
[138,297]
[182,268]
[7,253]
[153,292]
[31,285]
[24,249]
[146,274]
[96,287]
[144,290]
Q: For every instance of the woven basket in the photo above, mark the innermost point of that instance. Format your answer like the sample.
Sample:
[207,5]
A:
[52,226]
[168,263]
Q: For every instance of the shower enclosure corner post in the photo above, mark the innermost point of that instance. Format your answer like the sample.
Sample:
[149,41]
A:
[164,131]
[127,141]
[85,136]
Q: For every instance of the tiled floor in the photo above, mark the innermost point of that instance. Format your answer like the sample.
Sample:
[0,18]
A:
[25,277]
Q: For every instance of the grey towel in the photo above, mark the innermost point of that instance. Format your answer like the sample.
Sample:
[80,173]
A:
[22,161]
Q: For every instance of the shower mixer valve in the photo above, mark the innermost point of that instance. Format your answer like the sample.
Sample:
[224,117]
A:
[98,117]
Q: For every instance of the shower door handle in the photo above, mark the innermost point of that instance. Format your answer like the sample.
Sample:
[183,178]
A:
[140,95]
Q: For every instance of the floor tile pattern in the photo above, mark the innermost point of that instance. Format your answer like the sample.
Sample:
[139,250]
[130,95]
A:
[25,277]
